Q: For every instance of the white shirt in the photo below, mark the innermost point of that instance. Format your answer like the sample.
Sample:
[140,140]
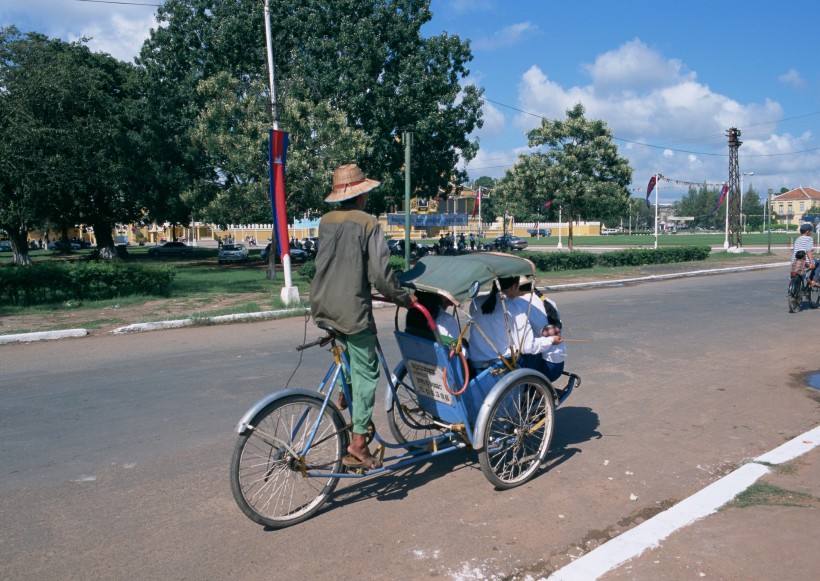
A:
[495,328]
[803,243]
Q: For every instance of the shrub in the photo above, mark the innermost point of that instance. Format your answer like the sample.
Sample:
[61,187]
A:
[50,282]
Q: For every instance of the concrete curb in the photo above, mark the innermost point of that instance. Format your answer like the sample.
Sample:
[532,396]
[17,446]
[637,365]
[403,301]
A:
[648,534]
[654,277]
[42,336]
[176,324]
[190,322]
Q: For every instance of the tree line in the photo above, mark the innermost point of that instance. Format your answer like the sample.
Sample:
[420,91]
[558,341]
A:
[181,133]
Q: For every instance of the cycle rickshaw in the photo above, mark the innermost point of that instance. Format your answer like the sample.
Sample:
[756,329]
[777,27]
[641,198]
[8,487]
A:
[288,458]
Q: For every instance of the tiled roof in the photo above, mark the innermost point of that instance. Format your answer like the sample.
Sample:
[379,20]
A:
[800,193]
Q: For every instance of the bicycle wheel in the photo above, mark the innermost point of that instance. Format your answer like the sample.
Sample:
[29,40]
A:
[814,297]
[517,436]
[407,420]
[267,477]
[795,296]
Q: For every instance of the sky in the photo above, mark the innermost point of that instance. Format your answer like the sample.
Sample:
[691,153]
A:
[669,78]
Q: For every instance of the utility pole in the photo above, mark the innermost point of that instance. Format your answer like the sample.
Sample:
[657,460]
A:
[733,203]
[407,139]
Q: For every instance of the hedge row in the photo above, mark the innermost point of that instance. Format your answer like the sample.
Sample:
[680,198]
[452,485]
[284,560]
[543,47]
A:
[577,260]
[46,283]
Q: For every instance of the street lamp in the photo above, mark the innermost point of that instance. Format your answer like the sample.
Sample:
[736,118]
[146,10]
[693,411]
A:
[745,173]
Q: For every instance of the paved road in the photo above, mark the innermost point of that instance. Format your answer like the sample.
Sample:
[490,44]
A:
[114,450]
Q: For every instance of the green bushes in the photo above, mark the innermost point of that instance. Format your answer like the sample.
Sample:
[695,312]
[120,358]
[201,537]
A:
[57,282]
[308,269]
[577,260]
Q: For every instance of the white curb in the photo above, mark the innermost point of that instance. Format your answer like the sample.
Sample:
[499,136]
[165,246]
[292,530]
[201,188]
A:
[42,336]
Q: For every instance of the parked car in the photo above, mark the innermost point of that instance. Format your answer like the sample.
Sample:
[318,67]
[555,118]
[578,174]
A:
[58,245]
[533,232]
[232,253]
[297,255]
[5,246]
[171,249]
[510,242]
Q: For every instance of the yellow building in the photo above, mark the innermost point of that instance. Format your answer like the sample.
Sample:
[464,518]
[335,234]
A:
[790,207]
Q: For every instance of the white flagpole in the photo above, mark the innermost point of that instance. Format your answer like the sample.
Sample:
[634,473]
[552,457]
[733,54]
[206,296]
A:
[657,187]
[726,239]
[559,228]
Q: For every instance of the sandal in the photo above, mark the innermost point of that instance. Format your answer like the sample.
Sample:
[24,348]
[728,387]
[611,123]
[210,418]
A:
[342,401]
[369,463]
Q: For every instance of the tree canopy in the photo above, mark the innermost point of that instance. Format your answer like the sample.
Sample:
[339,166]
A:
[351,74]
[578,170]
[67,133]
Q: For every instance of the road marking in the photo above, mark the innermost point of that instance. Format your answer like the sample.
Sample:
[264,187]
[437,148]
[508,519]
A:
[648,534]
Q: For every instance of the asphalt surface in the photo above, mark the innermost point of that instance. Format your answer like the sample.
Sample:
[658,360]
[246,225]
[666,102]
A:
[705,535]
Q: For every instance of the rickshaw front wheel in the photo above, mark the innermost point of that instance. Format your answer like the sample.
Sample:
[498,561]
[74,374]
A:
[517,435]
[270,463]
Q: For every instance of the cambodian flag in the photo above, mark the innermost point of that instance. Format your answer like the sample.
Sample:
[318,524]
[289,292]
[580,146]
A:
[477,201]
[546,204]
[720,199]
[649,188]
[277,154]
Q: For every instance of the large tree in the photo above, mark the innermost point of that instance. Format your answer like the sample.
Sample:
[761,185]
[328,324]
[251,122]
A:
[578,169]
[68,139]
[362,62]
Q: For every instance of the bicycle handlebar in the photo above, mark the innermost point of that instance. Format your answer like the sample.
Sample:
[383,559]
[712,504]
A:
[322,341]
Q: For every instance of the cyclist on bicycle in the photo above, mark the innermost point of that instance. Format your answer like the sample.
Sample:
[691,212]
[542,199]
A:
[805,244]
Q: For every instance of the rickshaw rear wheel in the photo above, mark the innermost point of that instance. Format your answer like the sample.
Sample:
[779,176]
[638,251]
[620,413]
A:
[518,432]
[814,297]
[268,463]
[407,419]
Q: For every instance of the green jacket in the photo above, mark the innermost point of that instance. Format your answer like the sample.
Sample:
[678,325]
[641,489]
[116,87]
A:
[352,255]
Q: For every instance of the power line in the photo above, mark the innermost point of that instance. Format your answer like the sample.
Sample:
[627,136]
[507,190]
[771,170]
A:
[691,139]
[115,2]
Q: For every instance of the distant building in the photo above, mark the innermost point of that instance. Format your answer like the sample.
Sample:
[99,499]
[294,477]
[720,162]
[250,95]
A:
[790,207]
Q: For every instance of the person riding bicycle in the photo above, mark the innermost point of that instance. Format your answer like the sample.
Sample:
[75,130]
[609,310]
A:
[804,243]
[352,255]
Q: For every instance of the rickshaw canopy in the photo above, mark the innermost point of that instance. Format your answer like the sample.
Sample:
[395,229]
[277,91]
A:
[455,276]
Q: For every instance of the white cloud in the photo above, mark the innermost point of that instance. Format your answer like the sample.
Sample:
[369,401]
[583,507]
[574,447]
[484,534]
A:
[117,29]
[494,121]
[507,36]
[792,78]
[647,98]
[634,67]
[120,37]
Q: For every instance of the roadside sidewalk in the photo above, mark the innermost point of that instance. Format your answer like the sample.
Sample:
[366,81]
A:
[770,532]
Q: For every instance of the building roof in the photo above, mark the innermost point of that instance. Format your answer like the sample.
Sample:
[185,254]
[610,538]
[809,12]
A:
[800,193]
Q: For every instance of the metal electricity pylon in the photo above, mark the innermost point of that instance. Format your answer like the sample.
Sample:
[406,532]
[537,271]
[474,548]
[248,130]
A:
[734,188]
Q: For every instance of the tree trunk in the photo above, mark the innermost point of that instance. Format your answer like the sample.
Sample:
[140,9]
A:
[105,242]
[19,246]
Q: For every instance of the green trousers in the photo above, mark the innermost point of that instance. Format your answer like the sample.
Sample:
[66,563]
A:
[364,377]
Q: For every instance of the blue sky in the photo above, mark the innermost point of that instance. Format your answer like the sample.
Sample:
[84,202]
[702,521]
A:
[668,77]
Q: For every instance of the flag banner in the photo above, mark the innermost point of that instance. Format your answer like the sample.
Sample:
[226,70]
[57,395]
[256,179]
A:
[277,155]
[650,186]
[546,204]
[477,202]
[663,178]
[720,199]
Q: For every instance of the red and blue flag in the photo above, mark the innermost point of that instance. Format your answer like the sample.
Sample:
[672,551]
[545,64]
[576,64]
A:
[277,156]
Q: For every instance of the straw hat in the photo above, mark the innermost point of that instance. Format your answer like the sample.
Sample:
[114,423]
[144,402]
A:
[349,182]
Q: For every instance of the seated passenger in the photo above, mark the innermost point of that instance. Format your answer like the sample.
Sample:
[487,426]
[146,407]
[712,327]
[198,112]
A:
[504,326]
[544,317]
[446,324]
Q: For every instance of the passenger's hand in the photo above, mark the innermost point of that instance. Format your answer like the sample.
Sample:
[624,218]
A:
[557,339]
